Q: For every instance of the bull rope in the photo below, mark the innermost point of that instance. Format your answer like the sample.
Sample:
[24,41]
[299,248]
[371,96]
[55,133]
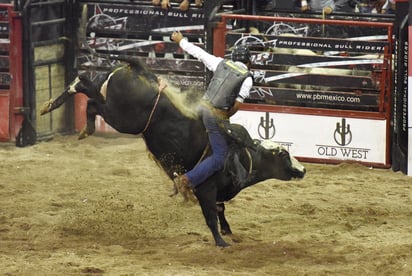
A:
[152,112]
[250,160]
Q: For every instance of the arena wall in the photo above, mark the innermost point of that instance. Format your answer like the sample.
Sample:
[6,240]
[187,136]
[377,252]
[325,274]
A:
[327,99]
[295,101]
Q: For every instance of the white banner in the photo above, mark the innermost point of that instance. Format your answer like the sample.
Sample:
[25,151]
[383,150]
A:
[319,137]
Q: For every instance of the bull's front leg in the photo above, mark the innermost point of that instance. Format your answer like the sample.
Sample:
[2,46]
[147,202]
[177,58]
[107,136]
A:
[91,112]
[206,194]
[224,225]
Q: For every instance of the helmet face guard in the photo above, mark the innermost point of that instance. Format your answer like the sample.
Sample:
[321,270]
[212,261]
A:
[241,53]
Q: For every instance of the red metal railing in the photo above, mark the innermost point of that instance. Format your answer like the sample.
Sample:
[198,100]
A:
[13,96]
[385,83]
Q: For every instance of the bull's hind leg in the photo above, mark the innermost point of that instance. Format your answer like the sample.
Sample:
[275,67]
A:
[92,110]
[206,194]
[51,104]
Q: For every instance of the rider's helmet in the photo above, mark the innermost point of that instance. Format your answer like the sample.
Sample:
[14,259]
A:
[241,53]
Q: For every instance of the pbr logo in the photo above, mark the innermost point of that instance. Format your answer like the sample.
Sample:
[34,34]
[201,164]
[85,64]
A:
[342,136]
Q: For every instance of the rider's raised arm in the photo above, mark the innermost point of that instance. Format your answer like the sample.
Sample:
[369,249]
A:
[209,60]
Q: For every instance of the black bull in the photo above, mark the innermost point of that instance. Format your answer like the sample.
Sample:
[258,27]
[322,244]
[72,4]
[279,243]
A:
[176,137]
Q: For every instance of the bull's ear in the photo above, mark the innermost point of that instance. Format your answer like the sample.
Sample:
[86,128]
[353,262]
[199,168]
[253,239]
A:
[283,154]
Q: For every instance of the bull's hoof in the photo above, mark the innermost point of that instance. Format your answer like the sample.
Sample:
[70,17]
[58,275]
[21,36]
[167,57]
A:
[46,107]
[235,238]
[226,232]
[85,132]
[222,243]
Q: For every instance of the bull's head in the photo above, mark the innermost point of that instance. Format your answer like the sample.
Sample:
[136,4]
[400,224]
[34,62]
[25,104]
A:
[276,162]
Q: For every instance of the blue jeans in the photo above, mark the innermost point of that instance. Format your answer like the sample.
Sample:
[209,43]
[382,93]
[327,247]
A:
[218,144]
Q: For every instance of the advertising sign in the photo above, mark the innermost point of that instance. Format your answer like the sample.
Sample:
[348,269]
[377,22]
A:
[319,137]
[140,18]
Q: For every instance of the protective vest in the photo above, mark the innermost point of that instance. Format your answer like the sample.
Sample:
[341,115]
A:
[225,84]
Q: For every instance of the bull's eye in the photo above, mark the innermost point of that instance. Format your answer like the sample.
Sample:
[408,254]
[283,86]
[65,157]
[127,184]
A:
[275,152]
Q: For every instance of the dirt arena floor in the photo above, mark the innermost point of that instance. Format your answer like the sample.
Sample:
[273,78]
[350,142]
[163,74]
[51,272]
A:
[100,206]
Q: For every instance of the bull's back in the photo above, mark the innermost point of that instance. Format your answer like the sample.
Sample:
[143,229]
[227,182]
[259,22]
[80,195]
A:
[130,96]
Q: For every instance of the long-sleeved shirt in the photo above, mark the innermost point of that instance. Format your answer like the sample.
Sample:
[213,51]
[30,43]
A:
[211,62]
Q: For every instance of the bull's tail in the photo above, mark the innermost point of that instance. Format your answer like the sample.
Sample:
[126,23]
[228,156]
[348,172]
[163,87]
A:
[84,45]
